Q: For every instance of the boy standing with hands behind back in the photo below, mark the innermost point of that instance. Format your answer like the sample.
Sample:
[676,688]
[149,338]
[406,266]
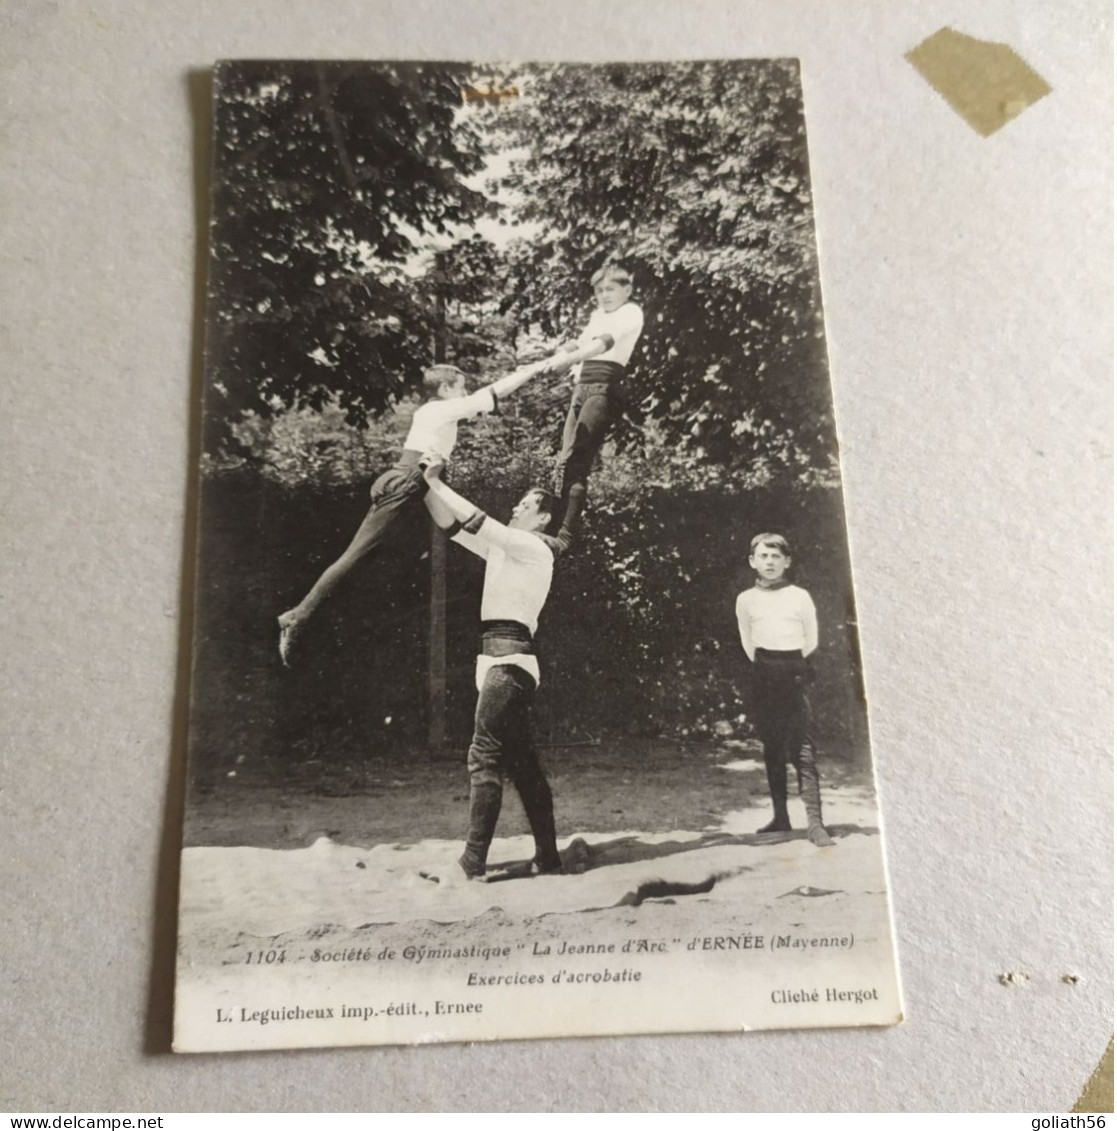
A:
[779,630]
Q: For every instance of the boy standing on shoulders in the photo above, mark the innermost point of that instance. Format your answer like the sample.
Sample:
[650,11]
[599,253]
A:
[779,630]
[604,349]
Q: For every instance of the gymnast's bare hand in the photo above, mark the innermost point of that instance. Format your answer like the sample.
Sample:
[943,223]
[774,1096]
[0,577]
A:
[432,464]
[558,363]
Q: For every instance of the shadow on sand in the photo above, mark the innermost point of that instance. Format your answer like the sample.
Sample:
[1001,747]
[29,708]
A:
[579,856]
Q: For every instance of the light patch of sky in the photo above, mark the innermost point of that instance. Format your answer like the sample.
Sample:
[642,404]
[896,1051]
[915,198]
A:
[491,180]
[500,230]
[496,170]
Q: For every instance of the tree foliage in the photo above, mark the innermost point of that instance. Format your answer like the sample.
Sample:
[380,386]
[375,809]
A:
[695,175]
[346,258]
[328,179]
[335,182]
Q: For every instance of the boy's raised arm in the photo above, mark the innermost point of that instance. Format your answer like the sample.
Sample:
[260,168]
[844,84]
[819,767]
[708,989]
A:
[486,398]
[570,354]
[481,401]
[505,386]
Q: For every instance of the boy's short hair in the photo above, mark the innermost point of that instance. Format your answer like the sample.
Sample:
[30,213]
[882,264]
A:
[546,503]
[612,271]
[776,541]
[438,375]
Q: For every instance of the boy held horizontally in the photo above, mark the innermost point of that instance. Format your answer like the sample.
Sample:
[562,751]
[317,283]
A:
[434,428]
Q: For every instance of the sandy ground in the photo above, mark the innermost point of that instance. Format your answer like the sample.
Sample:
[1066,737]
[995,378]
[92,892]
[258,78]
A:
[730,920]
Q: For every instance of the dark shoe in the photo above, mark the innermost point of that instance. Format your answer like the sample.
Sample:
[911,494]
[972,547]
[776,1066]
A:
[777,824]
[471,867]
[484,809]
[548,868]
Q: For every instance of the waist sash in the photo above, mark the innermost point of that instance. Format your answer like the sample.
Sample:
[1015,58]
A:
[598,372]
[506,638]
[775,660]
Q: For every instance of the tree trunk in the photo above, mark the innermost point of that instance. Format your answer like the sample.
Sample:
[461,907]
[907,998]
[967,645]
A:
[436,715]
[436,658]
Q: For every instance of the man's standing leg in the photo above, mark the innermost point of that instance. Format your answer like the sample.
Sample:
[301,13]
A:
[496,705]
[522,763]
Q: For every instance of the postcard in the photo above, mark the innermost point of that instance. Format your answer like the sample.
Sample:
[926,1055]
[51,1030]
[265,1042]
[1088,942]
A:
[526,691]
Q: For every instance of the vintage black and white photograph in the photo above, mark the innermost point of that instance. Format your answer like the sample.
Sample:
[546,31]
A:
[526,693]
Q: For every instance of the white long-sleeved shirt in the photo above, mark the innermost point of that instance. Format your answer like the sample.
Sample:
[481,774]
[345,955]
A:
[623,325]
[434,427]
[518,571]
[782,620]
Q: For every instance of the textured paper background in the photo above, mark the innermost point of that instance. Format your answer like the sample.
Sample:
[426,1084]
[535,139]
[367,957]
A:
[969,314]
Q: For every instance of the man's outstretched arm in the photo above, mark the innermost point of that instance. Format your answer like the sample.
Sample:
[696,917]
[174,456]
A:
[439,511]
[446,518]
[442,501]
[472,519]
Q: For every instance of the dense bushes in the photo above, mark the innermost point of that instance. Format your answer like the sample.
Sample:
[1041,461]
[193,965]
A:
[638,638]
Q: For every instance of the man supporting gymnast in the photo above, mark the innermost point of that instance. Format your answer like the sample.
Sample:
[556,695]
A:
[519,564]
